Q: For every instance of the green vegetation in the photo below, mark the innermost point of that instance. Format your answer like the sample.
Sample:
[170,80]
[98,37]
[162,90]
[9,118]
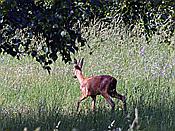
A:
[45,28]
[131,40]
[31,98]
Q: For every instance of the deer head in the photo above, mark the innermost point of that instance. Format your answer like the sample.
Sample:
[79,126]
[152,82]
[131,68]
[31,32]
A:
[77,66]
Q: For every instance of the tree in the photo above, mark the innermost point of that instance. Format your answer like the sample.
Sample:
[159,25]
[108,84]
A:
[46,29]
[152,14]
[42,29]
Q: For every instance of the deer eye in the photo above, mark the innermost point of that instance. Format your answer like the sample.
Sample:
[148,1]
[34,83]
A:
[77,67]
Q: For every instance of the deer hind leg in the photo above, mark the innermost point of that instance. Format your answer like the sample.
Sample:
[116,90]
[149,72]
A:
[93,102]
[122,98]
[109,100]
[82,97]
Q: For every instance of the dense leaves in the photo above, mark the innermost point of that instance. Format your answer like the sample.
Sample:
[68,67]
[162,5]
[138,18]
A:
[42,29]
[39,30]
[46,29]
[152,14]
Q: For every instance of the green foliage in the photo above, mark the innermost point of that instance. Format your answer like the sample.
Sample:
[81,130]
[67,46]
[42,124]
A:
[151,14]
[127,40]
[43,29]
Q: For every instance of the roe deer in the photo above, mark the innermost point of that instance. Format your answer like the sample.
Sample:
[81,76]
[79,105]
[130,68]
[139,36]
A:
[104,85]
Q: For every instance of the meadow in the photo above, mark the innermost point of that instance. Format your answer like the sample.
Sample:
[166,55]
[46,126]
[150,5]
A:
[31,99]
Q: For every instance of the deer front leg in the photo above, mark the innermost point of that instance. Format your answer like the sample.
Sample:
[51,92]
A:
[81,99]
[93,102]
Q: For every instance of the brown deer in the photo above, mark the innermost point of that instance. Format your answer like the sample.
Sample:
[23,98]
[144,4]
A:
[104,85]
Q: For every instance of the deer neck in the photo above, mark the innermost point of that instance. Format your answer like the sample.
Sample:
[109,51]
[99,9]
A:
[79,76]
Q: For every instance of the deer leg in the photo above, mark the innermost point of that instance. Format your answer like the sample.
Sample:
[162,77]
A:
[109,100]
[79,101]
[122,98]
[93,102]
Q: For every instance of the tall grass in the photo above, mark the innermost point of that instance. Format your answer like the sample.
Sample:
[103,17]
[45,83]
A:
[31,98]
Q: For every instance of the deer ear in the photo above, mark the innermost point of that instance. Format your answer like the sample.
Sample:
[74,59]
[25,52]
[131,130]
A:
[75,61]
[81,62]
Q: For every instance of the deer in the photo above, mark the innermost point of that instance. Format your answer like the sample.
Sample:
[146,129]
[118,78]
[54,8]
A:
[104,85]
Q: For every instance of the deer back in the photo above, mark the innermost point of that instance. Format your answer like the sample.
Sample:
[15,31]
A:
[98,85]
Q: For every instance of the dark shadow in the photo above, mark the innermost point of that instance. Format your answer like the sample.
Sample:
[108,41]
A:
[49,120]
[150,118]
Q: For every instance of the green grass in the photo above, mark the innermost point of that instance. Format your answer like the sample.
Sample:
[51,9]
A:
[31,98]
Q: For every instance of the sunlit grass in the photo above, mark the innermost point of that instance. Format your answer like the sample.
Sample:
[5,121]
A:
[31,98]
